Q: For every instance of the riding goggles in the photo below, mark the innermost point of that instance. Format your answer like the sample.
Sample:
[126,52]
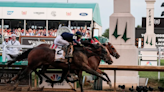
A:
[79,35]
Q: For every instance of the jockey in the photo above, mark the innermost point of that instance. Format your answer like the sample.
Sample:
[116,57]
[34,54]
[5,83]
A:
[66,37]
[95,40]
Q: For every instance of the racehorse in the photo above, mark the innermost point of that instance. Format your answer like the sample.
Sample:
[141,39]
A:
[80,61]
[91,61]
[112,50]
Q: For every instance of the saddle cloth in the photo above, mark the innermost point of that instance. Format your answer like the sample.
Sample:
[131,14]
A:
[59,54]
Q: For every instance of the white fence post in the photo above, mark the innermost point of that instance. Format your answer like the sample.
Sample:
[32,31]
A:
[4,55]
[159,62]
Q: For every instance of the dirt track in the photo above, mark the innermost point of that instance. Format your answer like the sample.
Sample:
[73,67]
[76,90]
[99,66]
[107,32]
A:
[24,89]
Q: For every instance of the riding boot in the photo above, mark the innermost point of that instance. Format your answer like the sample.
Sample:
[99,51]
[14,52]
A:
[68,54]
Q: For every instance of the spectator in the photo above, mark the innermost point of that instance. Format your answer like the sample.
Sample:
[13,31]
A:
[34,32]
[18,33]
[50,34]
[13,51]
[83,32]
[31,32]
[88,35]
[73,31]
[41,32]
[54,32]
[22,32]
[6,50]
[27,34]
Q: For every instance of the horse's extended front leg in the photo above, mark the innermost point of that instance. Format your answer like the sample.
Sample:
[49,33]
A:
[74,80]
[91,71]
[101,72]
[80,80]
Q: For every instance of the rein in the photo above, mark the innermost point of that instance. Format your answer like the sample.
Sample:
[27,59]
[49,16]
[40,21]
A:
[90,52]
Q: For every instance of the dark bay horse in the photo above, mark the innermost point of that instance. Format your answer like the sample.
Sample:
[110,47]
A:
[93,60]
[79,57]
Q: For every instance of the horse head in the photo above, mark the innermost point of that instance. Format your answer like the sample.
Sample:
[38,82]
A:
[112,50]
[104,54]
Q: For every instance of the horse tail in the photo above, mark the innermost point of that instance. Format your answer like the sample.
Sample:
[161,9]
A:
[20,57]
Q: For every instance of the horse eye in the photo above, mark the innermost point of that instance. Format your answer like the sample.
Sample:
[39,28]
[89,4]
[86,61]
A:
[112,48]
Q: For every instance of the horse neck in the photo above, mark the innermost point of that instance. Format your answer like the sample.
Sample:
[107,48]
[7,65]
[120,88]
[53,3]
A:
[88,52]
[94,62]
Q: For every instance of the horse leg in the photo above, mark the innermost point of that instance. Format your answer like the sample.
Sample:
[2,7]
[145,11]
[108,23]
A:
[80,80]
[72,81]
[91,71]
[22,75]
[15,77]
[42,72]
[40,77]
[64,75]
[101,72]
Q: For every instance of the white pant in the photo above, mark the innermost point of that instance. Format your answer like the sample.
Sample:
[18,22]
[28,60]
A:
[60,41]
[6,52]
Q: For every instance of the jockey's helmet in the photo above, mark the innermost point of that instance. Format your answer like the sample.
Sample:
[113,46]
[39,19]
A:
[96,37]
[78,34]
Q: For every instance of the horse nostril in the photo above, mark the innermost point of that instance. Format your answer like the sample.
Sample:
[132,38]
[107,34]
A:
[111,62]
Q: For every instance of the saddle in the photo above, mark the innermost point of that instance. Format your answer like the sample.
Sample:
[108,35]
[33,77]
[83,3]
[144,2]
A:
[60,54]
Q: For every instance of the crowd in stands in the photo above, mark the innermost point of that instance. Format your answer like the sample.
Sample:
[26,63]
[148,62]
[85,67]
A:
[40,32]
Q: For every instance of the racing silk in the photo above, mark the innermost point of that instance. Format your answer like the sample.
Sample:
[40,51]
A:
[70,37]
[94,41]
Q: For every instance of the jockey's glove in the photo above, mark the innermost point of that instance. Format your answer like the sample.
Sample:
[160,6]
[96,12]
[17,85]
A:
[81,45]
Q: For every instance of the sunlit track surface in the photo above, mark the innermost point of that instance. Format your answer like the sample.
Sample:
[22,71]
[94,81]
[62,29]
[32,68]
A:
[24,89]
[58,91]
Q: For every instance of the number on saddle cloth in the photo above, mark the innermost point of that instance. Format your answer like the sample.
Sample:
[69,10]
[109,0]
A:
[60,54]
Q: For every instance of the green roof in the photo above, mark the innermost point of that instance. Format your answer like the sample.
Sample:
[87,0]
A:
[93,6]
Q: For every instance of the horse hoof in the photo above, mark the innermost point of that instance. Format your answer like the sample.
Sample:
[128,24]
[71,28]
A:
[74,89]
[52,85]
[110,84]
